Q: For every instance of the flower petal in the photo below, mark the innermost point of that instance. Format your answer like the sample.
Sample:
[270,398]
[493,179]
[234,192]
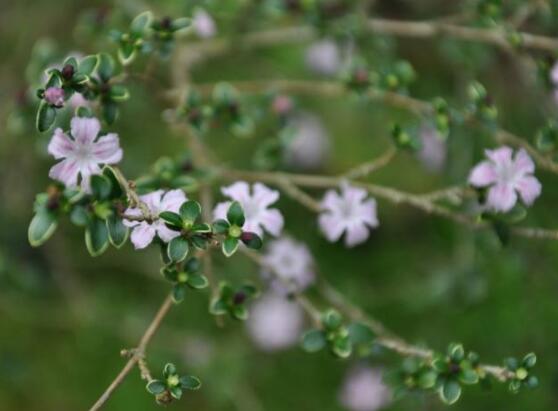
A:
[356,234]
[272,221]
[85,130]
[331,201]
[165,233]
[331,226]
[239,191]
[523,163]
[352,195]
[369,214]
[502,197]
[172,200]
[263,195]
[529,189]
[107,149]
[142,235]
[500,155]
[65,171]
[60,145]
[153,200]
[483,174]
[220,210]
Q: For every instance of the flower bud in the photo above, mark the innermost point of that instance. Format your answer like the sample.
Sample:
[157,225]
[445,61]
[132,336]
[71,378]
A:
[68,71]
[54,96]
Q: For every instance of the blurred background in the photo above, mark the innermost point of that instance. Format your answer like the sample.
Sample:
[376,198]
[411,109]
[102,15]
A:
[65,316]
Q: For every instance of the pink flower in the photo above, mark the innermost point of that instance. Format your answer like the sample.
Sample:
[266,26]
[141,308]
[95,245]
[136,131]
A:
[433,151]
[203,24]
[506,177]
[54,96]
[292,262]
[78,100]
[255,205]
[348,213]
[82,152]
[275,323]
[309,147]
[324,57]
[282,105]
[363,390]
[158,201]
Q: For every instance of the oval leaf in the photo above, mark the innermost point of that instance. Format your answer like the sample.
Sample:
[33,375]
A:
[177,249]
[41,228]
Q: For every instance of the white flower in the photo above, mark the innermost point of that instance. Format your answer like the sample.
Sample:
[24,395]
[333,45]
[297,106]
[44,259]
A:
[363,390]
[158,201]
[349,213]
[255,205]
[506,177]
[324,57]
[433,151]
[203,24]
[82,152]
[292,262]
[275,323]
[309,146]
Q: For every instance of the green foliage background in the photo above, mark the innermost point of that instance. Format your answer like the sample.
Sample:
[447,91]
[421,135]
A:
[65,317]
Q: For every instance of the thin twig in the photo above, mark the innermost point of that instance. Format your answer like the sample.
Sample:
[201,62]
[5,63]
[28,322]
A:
[368,168]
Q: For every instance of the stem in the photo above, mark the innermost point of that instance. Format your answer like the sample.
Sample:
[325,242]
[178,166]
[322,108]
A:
[137,355]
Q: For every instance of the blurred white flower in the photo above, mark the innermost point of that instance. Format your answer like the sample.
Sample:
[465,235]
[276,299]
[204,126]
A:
[434,150]
[77,100]
[324,57]
[275,323]
[203,23]
[292,262]
[309,146]
[363,390]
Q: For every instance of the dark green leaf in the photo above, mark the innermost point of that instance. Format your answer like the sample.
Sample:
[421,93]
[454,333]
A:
[45,117]
[190,211]
[450,392]
[170,369]
[189,382]
[197,281]
[41,228]
[119,93]
[178,249]
[240,312]
[192,265]
[468,376]
[229,246]
[79,216]
[360,334]
[313,340]
[332,319]
[251,240]
[100,186]
[530,360]
[180,23]
[176,392]
[218,307]
[221,226]
[140,23]
[235,214]
[156,387]
[105,66]
[118,232]
[88,64]
[110,112]
[427,379]
[172,219]
[178,293]
[342,347]
[96,237]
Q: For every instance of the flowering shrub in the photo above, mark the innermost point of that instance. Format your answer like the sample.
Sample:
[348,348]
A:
[171,206]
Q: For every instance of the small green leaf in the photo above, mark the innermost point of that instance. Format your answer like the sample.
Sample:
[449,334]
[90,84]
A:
[450,391]
[88,64]
[156,387]
[240,312]
[126,53]
[342,347]
[468,376]
[332,319]
[180,23]
[140,23]
[249,290]
[45,117]
[41,228]
[176,392]
[178,249]
[189,382]
[235,214]
[110,112]
[79,216]
[530,360]
[197,281]
[218,307]
[119,93]
[118,232]
[105,66]
[192,265]
[456,352]
[190,211]
[427,379]
[229,246]
[313,340]
[173,220]
[170,369]
[221,226]
[251,240]
[96,237]
[360,334]
[100,186]
[178,293]
[201,228]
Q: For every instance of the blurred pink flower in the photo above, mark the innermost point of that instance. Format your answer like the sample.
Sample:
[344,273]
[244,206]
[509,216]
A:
[282,104]
[77,100]
[54,96]
[433,151]
[363,390]
[275,323]
[83,152]
[506,177]
[158,201]
[309,146]
[348,213]
[255,205]
[324,57]
[292,262]
[203,24]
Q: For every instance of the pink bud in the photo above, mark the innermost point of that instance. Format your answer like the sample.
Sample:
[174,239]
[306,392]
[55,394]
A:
[54,96]
[282,105]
